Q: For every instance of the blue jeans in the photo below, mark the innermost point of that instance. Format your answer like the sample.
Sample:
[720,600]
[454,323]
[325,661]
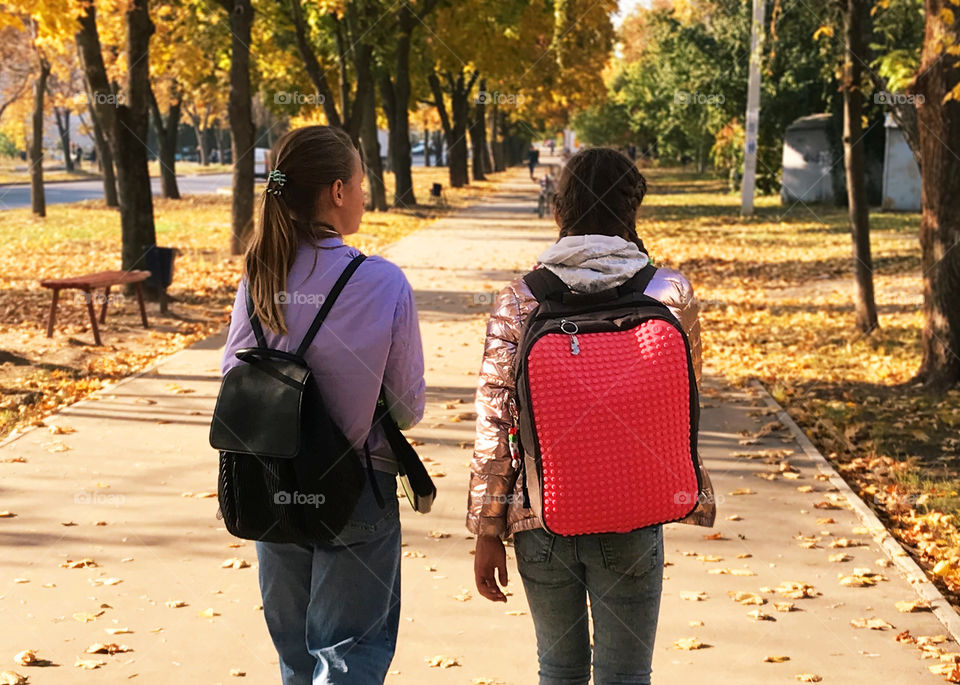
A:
[333,609]
[623,576]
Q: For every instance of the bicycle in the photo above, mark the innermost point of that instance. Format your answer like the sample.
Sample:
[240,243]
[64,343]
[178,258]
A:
[545,200]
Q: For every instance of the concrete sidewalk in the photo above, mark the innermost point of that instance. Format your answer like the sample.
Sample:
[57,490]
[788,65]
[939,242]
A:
[127,481]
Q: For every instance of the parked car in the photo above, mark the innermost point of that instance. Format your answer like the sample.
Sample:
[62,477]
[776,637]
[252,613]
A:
[261,162]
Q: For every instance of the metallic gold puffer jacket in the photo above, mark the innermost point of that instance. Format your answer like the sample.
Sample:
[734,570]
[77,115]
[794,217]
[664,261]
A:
[495,502]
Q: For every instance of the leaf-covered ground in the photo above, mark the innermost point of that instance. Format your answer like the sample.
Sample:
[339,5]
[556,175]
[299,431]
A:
[777,297]
[39,374]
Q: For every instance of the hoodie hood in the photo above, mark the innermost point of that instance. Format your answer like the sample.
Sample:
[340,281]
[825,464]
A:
[591,263]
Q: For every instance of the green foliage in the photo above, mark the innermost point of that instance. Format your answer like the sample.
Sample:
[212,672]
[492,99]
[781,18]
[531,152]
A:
[7,147]
[605,124]
[687,81]
[897,38]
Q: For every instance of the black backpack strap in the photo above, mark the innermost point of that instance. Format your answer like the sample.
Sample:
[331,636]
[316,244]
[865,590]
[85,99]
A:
[639,281]
[254,320]
[328,303]
[544,284]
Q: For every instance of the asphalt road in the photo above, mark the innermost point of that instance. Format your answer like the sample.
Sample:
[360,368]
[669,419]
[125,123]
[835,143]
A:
[16,196]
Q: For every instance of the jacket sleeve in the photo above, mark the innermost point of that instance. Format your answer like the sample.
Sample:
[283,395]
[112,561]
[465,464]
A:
[240,333]
[675,291]
[492,477]
[403,382]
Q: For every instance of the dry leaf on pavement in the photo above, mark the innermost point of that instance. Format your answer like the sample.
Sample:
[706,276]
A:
[744,597]
[108,648]
[915,605]
[234,562]
[89,664]
[871,623]
[441,661]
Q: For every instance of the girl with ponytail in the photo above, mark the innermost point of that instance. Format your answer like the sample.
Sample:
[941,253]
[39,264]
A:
[333,609]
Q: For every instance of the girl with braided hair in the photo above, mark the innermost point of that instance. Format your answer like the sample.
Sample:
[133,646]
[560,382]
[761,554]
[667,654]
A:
[595,208]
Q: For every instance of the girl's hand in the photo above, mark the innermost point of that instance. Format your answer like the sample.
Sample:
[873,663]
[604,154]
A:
[490,555]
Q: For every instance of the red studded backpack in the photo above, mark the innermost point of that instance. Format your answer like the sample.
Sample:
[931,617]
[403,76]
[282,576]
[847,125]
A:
[606,409]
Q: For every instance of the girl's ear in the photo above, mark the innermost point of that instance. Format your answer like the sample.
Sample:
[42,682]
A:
[336,193]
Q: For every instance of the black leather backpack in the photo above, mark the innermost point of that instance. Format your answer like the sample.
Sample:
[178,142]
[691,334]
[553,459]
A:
[287,472]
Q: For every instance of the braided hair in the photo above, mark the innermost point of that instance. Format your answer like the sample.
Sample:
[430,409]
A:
[599,192]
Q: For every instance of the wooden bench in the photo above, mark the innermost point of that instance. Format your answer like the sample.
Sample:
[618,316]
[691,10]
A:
[89,283]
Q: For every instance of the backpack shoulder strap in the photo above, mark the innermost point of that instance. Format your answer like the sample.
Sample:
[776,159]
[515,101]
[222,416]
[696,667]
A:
[328,303]
[544,284]
[254,319]
[639,281]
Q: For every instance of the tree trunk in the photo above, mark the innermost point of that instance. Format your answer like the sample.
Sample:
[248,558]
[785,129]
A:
[365,106]
[496,138]
[487,161]
[201,134]
[939,134]
[377,198]
[38,201]
[221,152]
[478,134]
[167,139]
[853,155]
[104,159]
[240,110]
[396,104]
[62,117]
[317,75]
[455,125]
[125,120]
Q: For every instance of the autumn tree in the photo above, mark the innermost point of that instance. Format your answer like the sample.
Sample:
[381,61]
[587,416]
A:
[240,110]
[395,92]
[123,114]
[15,57]
[38,202]
[854,31]
[938,84]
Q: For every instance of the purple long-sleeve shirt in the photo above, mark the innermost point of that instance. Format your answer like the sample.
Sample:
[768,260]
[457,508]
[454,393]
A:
[370,336]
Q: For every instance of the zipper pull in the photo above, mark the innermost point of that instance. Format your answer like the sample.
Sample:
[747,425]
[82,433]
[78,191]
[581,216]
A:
[571,329]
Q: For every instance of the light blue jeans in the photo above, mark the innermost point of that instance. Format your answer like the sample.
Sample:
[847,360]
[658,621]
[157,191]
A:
[333,609]
[623,576]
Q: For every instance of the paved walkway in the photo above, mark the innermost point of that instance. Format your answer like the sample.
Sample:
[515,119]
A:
[126,484]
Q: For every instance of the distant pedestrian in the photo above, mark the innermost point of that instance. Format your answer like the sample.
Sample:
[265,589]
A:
[533,158]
